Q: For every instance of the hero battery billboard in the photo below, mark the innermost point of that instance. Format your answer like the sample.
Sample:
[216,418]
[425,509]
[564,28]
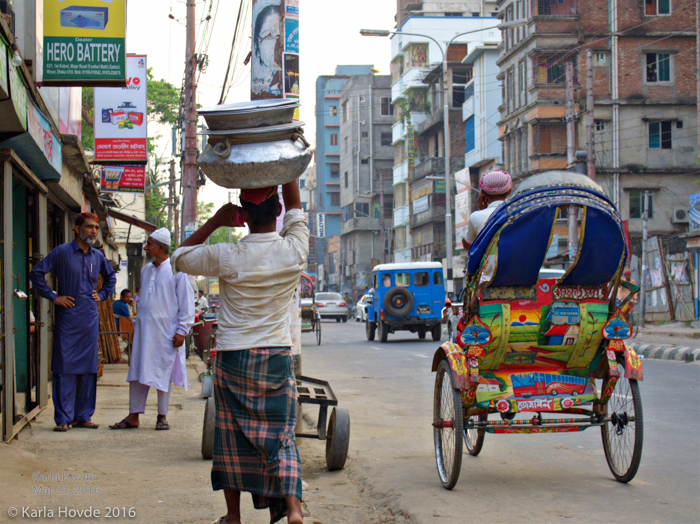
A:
[120,117]
[84,42]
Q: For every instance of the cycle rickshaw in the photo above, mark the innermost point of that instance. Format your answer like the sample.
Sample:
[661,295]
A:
[529,349]
[310,318]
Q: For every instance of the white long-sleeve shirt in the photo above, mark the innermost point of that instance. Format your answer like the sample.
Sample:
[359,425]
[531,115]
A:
[257,279]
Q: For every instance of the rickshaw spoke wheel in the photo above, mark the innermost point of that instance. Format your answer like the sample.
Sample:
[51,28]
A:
[448,427]
[474,438]
[623,433]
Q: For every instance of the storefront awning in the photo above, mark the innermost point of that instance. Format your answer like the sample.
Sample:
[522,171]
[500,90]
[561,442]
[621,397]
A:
[130,219]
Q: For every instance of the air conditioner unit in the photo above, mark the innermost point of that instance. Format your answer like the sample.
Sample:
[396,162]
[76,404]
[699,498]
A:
[680,215]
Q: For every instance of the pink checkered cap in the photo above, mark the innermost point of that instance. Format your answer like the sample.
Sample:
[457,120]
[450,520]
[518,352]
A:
[496,183]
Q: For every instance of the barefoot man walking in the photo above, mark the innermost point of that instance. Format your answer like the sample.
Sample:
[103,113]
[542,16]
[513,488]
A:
[254,387]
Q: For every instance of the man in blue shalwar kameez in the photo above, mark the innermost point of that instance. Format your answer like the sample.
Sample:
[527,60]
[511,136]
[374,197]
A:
[75,343]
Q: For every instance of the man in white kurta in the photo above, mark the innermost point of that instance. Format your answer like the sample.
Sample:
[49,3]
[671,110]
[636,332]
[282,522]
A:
[166,313]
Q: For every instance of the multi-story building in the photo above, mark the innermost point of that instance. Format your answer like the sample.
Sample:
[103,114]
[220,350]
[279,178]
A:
[417,95]
[644,89]
[328,158]
[482,149]
[366,159]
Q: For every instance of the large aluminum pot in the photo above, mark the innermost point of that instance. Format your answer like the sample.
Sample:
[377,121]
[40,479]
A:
[251,166]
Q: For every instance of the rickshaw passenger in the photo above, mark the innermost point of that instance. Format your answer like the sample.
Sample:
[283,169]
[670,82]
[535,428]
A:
[495,187]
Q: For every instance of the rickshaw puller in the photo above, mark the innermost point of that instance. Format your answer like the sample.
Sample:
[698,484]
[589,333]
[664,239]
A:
[495,187]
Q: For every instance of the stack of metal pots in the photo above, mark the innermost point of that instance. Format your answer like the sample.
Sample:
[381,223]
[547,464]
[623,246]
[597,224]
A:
[254,144]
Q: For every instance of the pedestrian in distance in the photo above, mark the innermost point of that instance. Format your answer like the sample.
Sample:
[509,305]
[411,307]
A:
[122,307]
[203,303]
[166,314]
[254,386]
[77,266]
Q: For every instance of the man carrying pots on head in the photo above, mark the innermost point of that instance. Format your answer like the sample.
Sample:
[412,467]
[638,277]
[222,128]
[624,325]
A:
[75,340]
[254,385]
[166,313]
[495,188]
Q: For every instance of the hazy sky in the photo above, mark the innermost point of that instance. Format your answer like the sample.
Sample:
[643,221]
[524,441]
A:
[329,36]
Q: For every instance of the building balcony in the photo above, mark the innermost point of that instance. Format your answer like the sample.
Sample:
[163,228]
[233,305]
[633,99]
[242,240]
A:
[400,173]
[418,118]
[554,8]
[434,214]
[360,224]
[401,216]
[434,166]
[398,132]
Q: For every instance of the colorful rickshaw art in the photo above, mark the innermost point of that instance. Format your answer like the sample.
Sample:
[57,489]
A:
[531,349]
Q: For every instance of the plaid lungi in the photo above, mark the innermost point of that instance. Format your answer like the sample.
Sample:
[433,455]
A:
[254,444]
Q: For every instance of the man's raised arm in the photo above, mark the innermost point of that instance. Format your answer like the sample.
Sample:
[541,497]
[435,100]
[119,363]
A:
[290,195]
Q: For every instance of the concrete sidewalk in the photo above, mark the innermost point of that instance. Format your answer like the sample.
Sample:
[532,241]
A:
[160,474]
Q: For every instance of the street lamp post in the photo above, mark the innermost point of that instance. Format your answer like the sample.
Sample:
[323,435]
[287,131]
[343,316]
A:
[446,116]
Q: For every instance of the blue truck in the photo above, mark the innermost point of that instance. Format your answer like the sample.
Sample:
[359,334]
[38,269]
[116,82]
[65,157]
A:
[406,297]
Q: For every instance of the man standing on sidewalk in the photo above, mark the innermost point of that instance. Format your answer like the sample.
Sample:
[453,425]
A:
[166,314]
[75,346]
[254,387]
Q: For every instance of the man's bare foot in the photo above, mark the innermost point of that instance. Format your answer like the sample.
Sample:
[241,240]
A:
[294,513]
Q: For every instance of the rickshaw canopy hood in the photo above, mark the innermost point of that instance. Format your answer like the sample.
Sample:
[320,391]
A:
[523,227]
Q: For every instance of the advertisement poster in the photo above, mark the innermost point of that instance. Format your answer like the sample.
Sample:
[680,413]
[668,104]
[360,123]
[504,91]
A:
[41,131]
[123,179]
[121,117]
[291,76]
[694,212]
[292,40]
[266,66]
[84,42]
[461,217]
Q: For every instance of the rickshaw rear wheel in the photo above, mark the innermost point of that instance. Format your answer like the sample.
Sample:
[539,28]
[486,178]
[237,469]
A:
[448,427]
[474,438]
[623,435]
[208,429]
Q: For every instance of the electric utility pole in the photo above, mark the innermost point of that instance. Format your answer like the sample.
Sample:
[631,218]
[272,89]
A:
[571,158]
[590,116]
[189,177]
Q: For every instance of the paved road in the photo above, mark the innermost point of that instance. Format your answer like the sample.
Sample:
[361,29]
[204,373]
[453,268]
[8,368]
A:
[517,478]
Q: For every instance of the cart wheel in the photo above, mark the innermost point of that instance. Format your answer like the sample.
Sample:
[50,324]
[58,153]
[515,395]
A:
[383,331]
[448,427]
[623,434]
[437,332]
[474,438]
[317,326]
[369,330]
[208,429]
[421,333]
[337,439]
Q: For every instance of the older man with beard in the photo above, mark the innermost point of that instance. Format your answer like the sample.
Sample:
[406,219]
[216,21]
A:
[166,313]
[75,342]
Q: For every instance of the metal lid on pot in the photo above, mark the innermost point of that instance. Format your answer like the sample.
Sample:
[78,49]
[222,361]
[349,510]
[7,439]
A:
[247,107]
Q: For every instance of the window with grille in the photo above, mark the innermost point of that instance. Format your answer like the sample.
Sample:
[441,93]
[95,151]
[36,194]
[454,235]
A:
[334,139]
[469,134]
[335,170]
[658,67]
[345,111]
[637,204]
[551,70]
[660,135]
[459,84]
[386,139]
[549,138]
[600,125]
[657,7]
[346,179]
[387,108]
[333,111]
[335,198]
[362,209]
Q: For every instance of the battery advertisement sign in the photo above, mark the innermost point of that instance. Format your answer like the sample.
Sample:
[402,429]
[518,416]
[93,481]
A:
[121,118]
[123,179]
[84,42]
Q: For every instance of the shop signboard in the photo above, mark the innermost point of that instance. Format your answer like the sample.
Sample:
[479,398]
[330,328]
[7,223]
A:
[4,87]
[321,225]
[121,117]
[123,178]
[84,43]
[421,204]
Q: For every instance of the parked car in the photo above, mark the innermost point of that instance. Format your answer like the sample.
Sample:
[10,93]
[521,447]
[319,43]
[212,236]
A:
[361,309]
[407,297]
[332,305]
[452,311]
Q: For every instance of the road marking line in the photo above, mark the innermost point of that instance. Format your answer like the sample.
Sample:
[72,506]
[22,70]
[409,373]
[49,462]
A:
[421,356]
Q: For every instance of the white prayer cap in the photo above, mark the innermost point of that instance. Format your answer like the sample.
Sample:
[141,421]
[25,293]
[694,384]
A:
[162,235]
